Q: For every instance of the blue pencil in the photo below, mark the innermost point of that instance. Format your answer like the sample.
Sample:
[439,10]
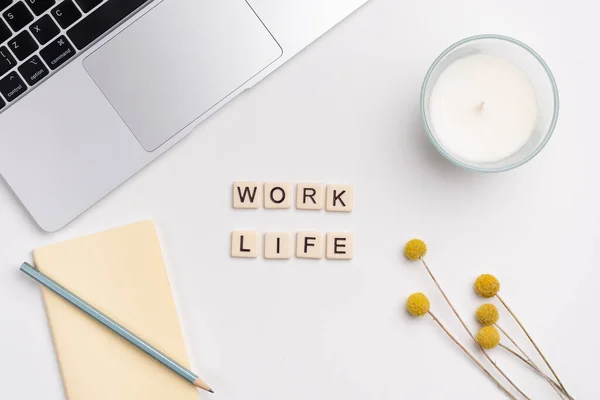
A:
[115,327]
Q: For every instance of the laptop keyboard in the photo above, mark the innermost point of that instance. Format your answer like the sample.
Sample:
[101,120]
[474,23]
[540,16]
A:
[39,36]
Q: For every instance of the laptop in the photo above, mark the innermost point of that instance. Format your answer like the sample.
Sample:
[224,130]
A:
[91,91]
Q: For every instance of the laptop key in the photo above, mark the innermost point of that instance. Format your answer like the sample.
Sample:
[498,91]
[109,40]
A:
[18,16]
[87,5]
[4,4]
[102,20]
[44,29]
[40,6]
[12,86]
[7,61]
[22,45]
[5,32]
[33,70]
[2,103]
[57,52]
[66,13]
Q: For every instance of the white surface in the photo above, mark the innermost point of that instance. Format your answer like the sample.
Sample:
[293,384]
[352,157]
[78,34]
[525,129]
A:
[346,110]
[483,108]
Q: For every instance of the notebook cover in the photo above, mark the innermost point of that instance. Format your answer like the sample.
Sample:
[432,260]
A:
[122,273]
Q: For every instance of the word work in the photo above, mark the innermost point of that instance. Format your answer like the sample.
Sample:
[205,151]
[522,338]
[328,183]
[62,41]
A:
[278,245]
[278,195]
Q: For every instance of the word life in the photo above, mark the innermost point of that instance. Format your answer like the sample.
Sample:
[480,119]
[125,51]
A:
[278,195]
[278,245]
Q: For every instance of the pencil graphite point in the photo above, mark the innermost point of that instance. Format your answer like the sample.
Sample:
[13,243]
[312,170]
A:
[202,385]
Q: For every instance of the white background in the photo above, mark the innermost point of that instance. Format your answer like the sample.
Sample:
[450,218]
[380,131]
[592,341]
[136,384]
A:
[346,110]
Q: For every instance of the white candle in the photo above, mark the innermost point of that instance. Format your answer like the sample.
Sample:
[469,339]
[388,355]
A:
[482,108]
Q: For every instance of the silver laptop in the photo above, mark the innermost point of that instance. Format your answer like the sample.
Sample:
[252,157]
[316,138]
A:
[91,91]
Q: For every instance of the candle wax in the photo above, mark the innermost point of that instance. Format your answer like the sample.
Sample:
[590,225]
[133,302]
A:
[482,108]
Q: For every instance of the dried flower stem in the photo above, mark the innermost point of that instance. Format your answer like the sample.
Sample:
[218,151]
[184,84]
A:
[472,357]
[520,357]
[485,353]
[525,358]
[533,343]
[535,368]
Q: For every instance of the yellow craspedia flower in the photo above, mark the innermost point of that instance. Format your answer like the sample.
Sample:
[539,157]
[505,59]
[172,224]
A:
[487,285]
[487,314]
[417,304]
[415,249]
[488,337]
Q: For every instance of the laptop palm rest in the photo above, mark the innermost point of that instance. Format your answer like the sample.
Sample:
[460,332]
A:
[177,61]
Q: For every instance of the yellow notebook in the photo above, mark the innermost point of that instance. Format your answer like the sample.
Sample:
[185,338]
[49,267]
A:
[122,273]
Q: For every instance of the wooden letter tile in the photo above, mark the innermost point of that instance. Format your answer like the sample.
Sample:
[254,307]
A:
[340,198]
[340,245]
[310,196]
[278,245]
[246,194]
[309,245]
[277,195]
[244,244]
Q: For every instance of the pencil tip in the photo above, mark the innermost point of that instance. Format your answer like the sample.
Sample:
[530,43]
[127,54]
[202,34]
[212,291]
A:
[202,385]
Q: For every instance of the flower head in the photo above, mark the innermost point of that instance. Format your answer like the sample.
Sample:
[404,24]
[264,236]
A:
[417,304]
[487,285]
[415,249]
[487,314]
[488,337]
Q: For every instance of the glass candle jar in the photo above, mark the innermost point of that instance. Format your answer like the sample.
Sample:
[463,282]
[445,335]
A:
[489,103]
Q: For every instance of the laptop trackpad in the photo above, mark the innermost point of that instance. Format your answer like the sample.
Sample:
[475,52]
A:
[179,60]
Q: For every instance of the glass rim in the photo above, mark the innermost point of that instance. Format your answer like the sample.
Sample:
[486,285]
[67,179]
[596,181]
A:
[547,135]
